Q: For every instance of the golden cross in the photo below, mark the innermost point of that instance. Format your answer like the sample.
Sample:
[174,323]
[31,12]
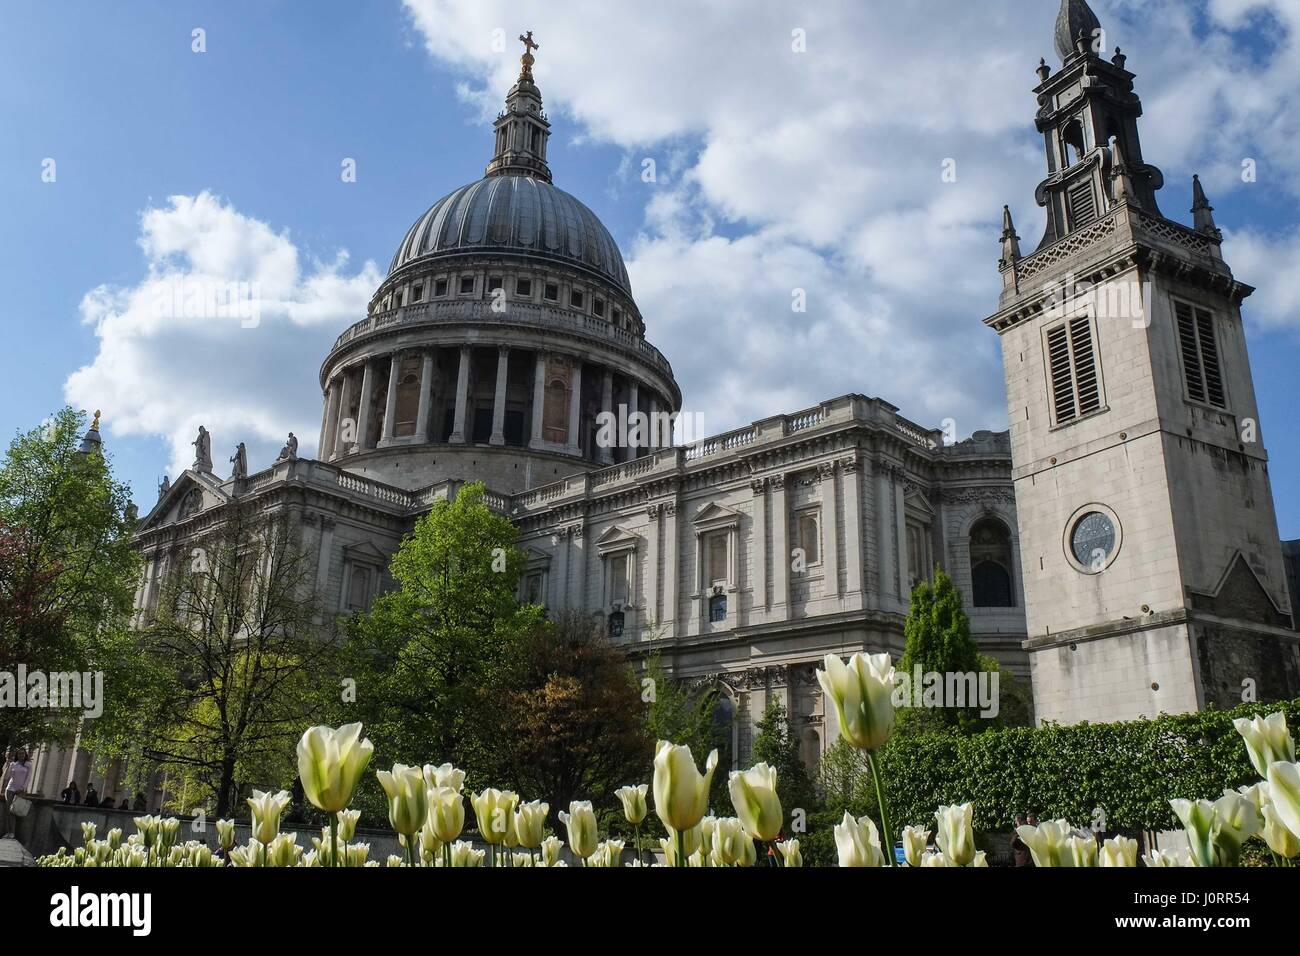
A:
[527,40]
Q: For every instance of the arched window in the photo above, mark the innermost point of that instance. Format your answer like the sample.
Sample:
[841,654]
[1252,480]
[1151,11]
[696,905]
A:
[555,412]
[991,564]
[1072,141]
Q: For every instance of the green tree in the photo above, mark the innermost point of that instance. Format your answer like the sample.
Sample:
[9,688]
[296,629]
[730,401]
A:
[67,568]
[938,640]
[238,663]
[432,657]
[775,745]
[574,723]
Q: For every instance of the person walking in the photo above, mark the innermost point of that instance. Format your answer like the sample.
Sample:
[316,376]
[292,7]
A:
[14,785]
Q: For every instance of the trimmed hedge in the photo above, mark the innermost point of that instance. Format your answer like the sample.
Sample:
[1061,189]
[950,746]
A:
[1130,770]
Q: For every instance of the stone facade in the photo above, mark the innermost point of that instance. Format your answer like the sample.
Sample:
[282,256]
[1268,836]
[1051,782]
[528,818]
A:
[1154,577]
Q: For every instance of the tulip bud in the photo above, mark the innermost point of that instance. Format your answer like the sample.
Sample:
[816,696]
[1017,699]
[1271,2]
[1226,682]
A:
[357,854]
[348,823]
[956,834]
[1119,851]
[681,792]
[753,794]
[530,823]
[266,809]
[444,776]
[1284,794]
[115,837]
[225,834]
[446,813]
[729,839]
[633,800]
[858,842]
[1047,842]
[790,852]
[862,692]
[87,832]
[407,799]
[915,840]
[1279,839]
[1267,740]
[493,809]
[551,848]
[464,855]
[981,860]
[330,762]
[580,821]
[1083,849]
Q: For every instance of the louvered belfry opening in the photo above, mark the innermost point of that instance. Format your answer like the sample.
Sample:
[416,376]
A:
[1200,352]
[1071,353]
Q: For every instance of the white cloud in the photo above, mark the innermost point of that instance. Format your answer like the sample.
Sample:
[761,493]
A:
[821,170]
[169,360]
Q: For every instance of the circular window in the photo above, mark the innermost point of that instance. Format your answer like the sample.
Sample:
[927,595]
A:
[1092,538]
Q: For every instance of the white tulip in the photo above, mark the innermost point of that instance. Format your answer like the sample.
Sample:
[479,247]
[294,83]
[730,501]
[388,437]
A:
[790,854]
[862,692]
[1118,851]
[444,776]
[1284,793]
[956,834]
[858,842]
[1267,740]
[681,792]
[915,840]
[633,800]
[580,821]
[753,794]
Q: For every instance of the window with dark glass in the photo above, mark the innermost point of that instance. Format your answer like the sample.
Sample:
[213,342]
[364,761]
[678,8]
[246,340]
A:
[551,291]
[717,608]
[440,287]
[598,306]
[524,287]
[575,298]
[466,284]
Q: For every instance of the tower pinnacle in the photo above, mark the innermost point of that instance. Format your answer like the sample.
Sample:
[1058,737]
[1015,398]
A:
[522,128]
[1075,22]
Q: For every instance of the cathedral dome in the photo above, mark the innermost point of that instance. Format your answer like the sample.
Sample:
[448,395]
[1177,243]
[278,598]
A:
[518,214]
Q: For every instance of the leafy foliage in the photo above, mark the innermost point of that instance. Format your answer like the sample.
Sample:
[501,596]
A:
[67,568]
[432,657]
[236,664]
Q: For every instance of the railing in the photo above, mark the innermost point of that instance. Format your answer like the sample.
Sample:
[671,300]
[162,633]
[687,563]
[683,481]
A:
[481,313]
[375,489]
[915,432]
[801,420]
[721,443]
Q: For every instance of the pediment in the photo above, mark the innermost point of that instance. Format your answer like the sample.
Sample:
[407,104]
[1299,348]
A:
[535,558]
[616,538]
[714,515]
[192,493]
[365,551]
[917,501]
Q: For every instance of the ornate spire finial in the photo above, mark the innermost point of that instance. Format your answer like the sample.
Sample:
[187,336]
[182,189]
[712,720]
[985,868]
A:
[1043,70]
[94,425]
[1010,241]
[1074,23]
[1202,211]
[526,72]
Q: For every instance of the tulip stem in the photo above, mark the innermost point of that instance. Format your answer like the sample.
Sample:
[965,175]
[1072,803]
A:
[334,840]
[636,829]
[681,848]
[446,855]
[887,838]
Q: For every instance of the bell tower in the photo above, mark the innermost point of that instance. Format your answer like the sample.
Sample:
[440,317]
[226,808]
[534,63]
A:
[1153,574]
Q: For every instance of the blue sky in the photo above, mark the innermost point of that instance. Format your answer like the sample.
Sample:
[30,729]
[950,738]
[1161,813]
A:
[775,171]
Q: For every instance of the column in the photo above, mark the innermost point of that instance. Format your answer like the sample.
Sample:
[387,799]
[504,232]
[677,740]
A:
[780,545]
[462,397]
[852,527]
[330,420]
[831,537]
[884,532]
[575,406]
[652,566]
[578,547]
[900,528]
[345,406]
[560,580]
[652,439]
[323,555]
[539,396]
[426,397]
[499,400]
[759,486]
[672,550]
[606,452]
[633,405]
[367,399]
[390,403]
